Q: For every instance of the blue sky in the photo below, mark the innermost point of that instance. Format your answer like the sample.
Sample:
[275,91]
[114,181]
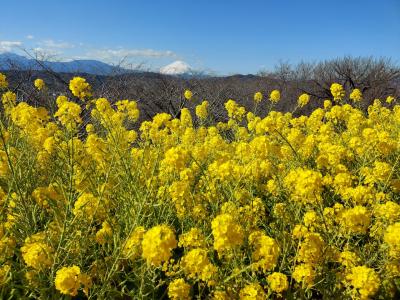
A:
[223,36]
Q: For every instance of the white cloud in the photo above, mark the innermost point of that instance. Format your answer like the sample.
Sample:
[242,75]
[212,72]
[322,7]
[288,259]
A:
[7,46]
[59,50]
[41,52]
[122,53]
[51,44]
[50,49]
[177,67]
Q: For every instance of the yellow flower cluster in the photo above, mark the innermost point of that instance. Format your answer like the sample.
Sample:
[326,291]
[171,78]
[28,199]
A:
[157,244]
[251,207]
[304,274]
[348,258]
[196,265]
[89,206]
[252,291]
[3,81]
[36,252]
[202,110]
[278,282]
[44,195]
[33,122]
[258,97]
[68,113]
[364,281]
[337,91]
[227,233]
[266,251]
[390,211]
[7,243]
[188,94]
[392,238]
[355,220]
[303,100]
[179,290]
[9,99]
[133,245]
[390,99]
[235,111]
[311,249]
[356,95]
[4,274]
[192,239]
[80,88]
[70,279]
[104,234]
[39,84]
[305,185]
[275,96]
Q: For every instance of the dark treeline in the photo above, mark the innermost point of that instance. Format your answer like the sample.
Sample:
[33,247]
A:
[376,78]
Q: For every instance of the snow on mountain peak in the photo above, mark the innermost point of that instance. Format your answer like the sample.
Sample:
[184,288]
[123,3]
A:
[175,68]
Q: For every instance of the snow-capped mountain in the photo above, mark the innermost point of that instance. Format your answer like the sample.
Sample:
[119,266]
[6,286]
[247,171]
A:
[176,68]
[182,69]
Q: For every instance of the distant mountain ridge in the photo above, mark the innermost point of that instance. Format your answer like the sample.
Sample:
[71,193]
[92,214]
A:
[12,61]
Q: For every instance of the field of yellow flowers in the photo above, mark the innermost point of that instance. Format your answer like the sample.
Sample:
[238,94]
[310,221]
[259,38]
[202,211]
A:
[258,207]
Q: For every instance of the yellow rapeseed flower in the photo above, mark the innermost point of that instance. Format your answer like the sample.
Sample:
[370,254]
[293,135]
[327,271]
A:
[390,99]
[311,249]
[275,96]
[80,88]
[88,206]
[305,274]
[252,291]
[392,239]
[196,265]
[266,251]
[9,100]
[356,95]
[192,239]
[39,84]
[364,280]
[68,113]
[179,290]
[133,245]
[303,100]
[67,280]
[3,81]
[258,97]
[157,244]
[235,111]
[278,282]
[202,110]
[188,94]
[4,274]
[104,234]
[227,232]
[355,220]
[37,255]
[337,91]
